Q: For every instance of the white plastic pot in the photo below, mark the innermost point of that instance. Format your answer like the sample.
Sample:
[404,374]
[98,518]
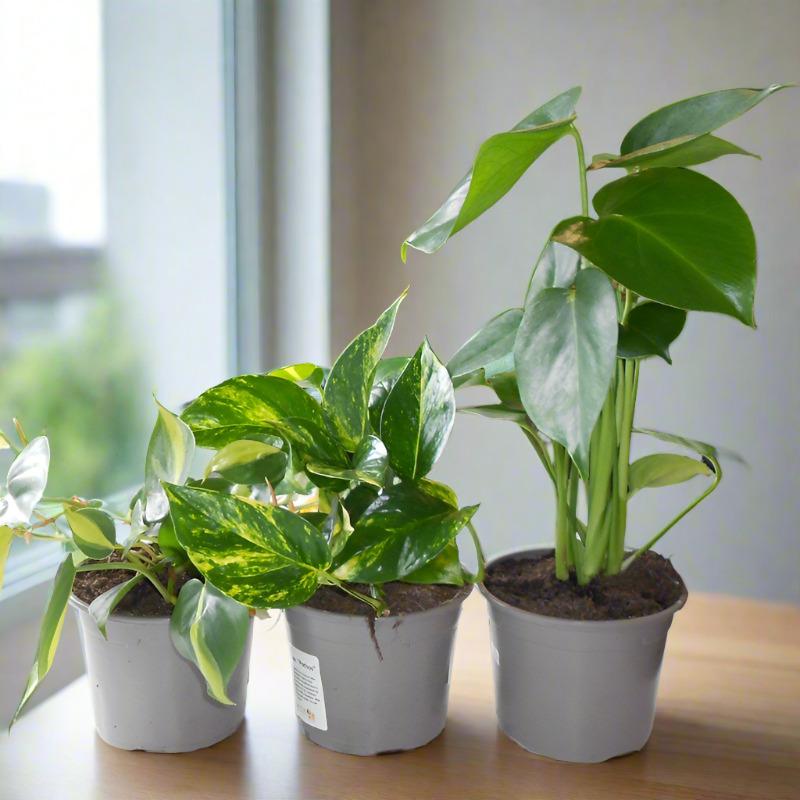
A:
[145,695]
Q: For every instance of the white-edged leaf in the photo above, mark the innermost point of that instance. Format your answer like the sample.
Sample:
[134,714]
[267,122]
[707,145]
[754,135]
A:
[93,531]
[27,478]
[103,606]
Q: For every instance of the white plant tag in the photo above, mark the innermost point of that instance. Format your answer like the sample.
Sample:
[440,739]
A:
[309,699]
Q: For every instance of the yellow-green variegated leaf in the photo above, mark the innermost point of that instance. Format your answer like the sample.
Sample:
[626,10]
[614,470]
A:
[347,390]
[251,406]
[400,532]
[248,461]
[93,531]
[262,556]
[169,458]
[370,465]
[50,631]
[445,568]
[305,373]
[6,537]
[210,630]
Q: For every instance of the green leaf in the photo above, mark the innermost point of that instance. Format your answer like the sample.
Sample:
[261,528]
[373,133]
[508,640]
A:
[674,236]
[6,537]
[168,543]
[93,531]
[487,352]
[444,568]
[565,355]
[210,630]
[556,268]
[664,469]
[370,464]
[50,631]
[250,406]
[248,461]
[500,411]
[348,387]
[25,482]
[418,415]
[102,607]
[500,163]
[386,375]
[263,556]
[651,329]
[169,458]
[439,491]
[306,373]
[337,527]
[701,448]
[685,151]
[693,116]
[400,532]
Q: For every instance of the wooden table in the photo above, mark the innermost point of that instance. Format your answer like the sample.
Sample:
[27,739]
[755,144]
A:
[728,726]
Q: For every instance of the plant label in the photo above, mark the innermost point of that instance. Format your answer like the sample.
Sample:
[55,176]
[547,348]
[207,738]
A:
[309,699]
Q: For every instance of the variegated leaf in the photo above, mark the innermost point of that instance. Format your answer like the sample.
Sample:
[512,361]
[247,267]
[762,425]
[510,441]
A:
[103,606]
[27,478]
[262,556]
[347,390]
[210,630]
[93,531]
[445,568]
[386,375]
[250,406]
[248,461]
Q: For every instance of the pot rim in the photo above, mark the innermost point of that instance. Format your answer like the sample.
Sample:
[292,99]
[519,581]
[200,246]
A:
[126,619]
[575,624]
[338,615]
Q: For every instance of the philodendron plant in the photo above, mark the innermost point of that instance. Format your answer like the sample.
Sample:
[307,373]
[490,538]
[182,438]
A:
[206,627]
[336,463]
[607,292]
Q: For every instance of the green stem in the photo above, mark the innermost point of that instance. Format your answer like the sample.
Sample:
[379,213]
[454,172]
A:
[581,170]
[377,605]
[541,451]
[561,459]
[481,573]
[170,598]
[714,464]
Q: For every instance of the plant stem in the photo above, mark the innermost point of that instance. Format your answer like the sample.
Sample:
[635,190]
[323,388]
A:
[541,451]
[714,464]
[377,605]
[481,573]
[170,598]
[561,459]
[581,170]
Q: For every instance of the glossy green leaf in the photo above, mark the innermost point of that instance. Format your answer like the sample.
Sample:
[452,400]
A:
[337,527]
[701,448]
[386,375]
[556,268]
[168,542]
[93,531]
[685,151]
[650,330]
[487,352]
[6,537]
[500,411]
[418,415]
[370,464]
[664,469]
[439,491]
[306,373]
[250,406]
[400,532]
[263,556]
[674,236]
[103,606]
[501,161]
[248,461]
[210,630]
[25,482]
[444,568]
[347,391]
[358,500]
[169,458]
[50,631]
[565,355]
[693,116]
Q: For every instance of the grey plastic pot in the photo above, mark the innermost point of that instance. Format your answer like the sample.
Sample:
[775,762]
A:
[366,690]
[145,695]
[574,690]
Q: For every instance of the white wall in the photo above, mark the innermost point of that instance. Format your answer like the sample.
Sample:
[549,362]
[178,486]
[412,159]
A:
[417,85]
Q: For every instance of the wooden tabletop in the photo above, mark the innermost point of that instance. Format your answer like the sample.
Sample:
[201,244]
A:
[728,726]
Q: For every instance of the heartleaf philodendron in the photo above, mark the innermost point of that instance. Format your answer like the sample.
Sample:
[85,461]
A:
[566,367]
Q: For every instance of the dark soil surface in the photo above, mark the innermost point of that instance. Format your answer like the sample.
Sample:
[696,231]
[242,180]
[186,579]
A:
[402,598]
[649,585]
[142,601]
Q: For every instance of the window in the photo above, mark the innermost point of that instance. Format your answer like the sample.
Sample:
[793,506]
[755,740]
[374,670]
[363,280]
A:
[114,273]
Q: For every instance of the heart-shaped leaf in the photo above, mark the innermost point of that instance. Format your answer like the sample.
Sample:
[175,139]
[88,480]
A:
[565,356]
[103,606]
[25,483]
[169,458]
[386,375]
[445,568]
[664,469]
[418,415]
[500,163]
[400,532]
[248,461]
[674,236]
[556,268]
[93,531]
[50,631]
[693,116]
[349,383]
[650,330]
[210,630]
[262,556]
[250,406]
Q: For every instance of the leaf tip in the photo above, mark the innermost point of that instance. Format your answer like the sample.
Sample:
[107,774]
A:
[404,251]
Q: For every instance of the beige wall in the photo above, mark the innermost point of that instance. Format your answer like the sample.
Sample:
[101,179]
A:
[418,84]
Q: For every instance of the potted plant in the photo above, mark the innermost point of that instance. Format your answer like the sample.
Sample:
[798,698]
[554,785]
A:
[578,630]
[344,530]
[166,653]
